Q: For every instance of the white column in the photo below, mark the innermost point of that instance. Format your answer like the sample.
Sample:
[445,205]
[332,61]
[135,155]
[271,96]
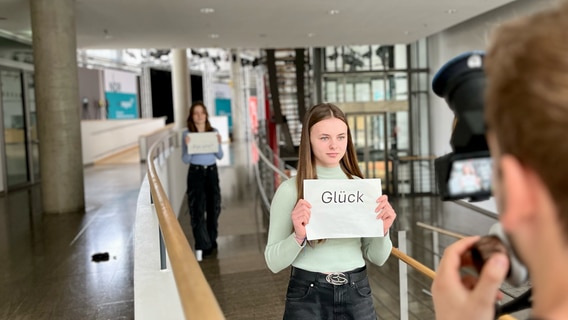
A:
[180,87]
[400,56]
[146,93]
[209,87]
[238,106]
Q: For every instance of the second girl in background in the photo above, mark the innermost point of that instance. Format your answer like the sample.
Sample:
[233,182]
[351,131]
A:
[203,192]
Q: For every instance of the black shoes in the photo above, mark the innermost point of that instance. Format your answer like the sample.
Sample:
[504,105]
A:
[211,250]
[208,252]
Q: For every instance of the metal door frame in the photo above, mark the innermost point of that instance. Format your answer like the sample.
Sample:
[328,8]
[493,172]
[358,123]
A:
[4,176]
[26,75]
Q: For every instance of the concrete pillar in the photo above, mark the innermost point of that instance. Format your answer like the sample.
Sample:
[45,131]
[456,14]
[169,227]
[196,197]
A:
[57,94]
[180,87]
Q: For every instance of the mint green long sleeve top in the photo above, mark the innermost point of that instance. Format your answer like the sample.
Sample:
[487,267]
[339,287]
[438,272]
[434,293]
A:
[333,255]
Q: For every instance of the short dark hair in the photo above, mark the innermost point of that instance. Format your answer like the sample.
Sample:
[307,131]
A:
[527,97]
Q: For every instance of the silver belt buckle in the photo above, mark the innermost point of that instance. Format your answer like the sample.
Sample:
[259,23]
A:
[337,278]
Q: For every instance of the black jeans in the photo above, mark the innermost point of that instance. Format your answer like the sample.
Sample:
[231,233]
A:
[316,299]
[204,200]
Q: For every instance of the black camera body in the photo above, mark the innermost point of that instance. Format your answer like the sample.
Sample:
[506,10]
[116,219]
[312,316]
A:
[466,171]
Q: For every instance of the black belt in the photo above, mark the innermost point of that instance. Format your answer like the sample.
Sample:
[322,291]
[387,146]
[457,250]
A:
[335,278]
[197,166]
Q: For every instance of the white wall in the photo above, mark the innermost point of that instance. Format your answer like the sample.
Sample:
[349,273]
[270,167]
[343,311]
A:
[470,35]
[221,123]
[155,291]
[101,138]
[176,172]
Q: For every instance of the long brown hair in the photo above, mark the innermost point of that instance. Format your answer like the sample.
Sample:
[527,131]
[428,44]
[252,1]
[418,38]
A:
[191,125]
[307,162]
[527,97]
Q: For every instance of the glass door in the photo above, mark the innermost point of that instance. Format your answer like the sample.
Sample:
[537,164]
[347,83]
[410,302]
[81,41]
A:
[17,94]
[31,123]
[370,139]
[16,157]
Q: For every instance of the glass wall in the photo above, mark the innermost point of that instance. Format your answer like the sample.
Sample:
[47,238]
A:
[365,58]
[19,125]
[394,79]
[14,127]
[370,73]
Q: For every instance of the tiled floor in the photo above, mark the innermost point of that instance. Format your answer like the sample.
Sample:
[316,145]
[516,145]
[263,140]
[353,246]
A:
[48,273]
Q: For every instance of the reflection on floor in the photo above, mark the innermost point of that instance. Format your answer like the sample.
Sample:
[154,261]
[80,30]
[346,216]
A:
[48,272]
[237,272]
[128,155]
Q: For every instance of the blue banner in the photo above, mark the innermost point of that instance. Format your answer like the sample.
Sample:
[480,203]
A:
[223,108]
[121,105]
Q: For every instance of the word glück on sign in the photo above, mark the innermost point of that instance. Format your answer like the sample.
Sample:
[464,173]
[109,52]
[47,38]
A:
[341,197]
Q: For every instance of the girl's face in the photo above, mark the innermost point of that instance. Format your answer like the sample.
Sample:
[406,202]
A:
[328,139]
[199,116]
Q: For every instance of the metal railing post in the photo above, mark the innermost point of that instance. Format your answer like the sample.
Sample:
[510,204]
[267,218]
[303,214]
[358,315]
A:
[403,277]
[163,264]
[435,249]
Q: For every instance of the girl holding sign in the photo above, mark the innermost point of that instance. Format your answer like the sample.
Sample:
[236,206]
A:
[203,192]
[328,278]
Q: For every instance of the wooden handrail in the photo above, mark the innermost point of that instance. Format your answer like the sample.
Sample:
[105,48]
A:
[439,230]
[414,158]
[164,128]
[197,298]
[413,263]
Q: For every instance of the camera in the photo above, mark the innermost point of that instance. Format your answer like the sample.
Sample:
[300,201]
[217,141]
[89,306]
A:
[466,171]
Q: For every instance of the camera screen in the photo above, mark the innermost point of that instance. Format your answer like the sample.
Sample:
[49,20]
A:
[470,176]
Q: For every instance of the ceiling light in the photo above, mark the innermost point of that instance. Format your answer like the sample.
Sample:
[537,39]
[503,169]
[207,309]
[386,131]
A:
[213,36]
[451,11]
[333,12]
[311,35]
[207,10]
[406,33]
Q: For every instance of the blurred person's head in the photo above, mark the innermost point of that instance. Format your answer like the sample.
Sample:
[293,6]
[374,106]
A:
[467,169]
[325,141]
[198,117]
[527,118]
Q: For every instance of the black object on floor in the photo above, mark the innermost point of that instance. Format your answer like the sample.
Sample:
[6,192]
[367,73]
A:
[98,257]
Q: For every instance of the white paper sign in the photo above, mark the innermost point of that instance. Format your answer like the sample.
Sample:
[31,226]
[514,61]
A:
[203,142]
[343,208]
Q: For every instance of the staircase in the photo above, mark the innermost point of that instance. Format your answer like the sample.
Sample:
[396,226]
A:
[289,80]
